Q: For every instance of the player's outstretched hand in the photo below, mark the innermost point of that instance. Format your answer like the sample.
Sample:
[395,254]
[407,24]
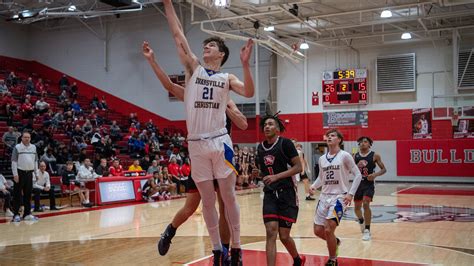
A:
[147,51]
[267,180]
[312,190]
[246,52]
[348,200]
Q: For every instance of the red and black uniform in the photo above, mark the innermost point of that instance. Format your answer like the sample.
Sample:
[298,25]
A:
[366,166]
[280,202]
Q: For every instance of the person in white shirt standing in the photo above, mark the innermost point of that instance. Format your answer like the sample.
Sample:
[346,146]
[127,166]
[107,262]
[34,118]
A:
[24,165]
[335,168]
[42,183]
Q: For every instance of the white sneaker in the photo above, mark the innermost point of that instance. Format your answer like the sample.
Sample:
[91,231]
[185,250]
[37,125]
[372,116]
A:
[155,195]
[9,213]
[30,218]
[366,235]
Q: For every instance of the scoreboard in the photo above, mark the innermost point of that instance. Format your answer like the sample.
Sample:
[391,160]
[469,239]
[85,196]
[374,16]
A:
[345,87]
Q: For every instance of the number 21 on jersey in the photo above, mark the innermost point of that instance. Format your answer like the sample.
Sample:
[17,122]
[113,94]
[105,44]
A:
[207,93]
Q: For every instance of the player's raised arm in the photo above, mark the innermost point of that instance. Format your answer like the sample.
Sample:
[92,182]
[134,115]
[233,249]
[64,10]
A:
[188,59]
[246,88]
[175,89]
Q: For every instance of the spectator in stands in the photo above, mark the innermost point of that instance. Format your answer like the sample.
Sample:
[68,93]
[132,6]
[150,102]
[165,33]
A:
[102,169]
[175,155]
[63,155]
[115,131]
[3,86]
[175,140]
[96,138]
[9,104]
[41,106]
[27,109]
[132,119]
[47,118]
[6,192]
[12,80]
[185,169]
[170,150]
[154,167]
[150,126]
[78,139]
[87,129]
[50,161]
[154,144]
[132,129]
[30,86]
[42,183]
[57,120]
[116,169]
[181,139]
[103,104]
[135,166]
[64,83]
[145,162]
[95,102]
[9,139]
[62,97]
[74,90]
[69,181]
[175,174]
[76,108]
[39,86]
[86,173]
[143,136]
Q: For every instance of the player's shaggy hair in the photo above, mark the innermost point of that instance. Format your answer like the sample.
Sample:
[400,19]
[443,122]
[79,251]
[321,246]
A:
[339,135]
[362,139]
[222,47]
[275,117]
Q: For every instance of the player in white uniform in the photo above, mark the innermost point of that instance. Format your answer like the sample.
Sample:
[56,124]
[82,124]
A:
[335,168]
[210,148]
[424,125]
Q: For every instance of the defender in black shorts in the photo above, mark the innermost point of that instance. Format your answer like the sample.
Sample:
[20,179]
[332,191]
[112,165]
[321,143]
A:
[280,203]
[366,160]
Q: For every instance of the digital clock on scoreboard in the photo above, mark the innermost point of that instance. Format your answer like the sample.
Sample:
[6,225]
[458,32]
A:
[345,87]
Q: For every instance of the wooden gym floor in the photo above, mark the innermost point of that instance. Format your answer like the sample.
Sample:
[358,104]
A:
[413,224]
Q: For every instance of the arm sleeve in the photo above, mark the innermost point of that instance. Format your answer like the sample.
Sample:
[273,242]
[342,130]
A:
[351,165]
[36,160]
[48,180]
[15,161]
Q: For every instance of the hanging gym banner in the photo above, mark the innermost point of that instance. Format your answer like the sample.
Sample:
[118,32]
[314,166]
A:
[351,118]
[464,129]
[421,123]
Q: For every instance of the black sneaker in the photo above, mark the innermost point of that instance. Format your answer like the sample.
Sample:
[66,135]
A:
[331,263]
[53,209]
[38,210]
[165,240]
[310,198]
[217,259]
[236,257]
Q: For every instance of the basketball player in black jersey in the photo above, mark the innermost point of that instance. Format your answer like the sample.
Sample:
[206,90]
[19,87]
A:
[193,197]
[280,203]
[366,160]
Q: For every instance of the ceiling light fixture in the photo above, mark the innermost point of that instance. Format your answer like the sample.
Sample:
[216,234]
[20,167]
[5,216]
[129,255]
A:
[406,36]
[269,28]
[304,45]
[386,14]
[72,8]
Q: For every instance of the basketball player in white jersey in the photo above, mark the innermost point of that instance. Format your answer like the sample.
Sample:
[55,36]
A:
[424,125]
[210,147]
[192,195]
[334,170]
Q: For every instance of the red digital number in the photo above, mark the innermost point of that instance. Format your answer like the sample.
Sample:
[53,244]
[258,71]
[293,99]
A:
[362,86]
[326,98]
[329,88]
[363,96]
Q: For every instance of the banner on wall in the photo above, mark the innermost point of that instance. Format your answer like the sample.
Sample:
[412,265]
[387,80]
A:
[421,123]
[464,129]
[351,118]
[435,157]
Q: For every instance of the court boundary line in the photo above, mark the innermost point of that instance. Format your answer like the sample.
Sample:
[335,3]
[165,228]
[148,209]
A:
[398,191]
